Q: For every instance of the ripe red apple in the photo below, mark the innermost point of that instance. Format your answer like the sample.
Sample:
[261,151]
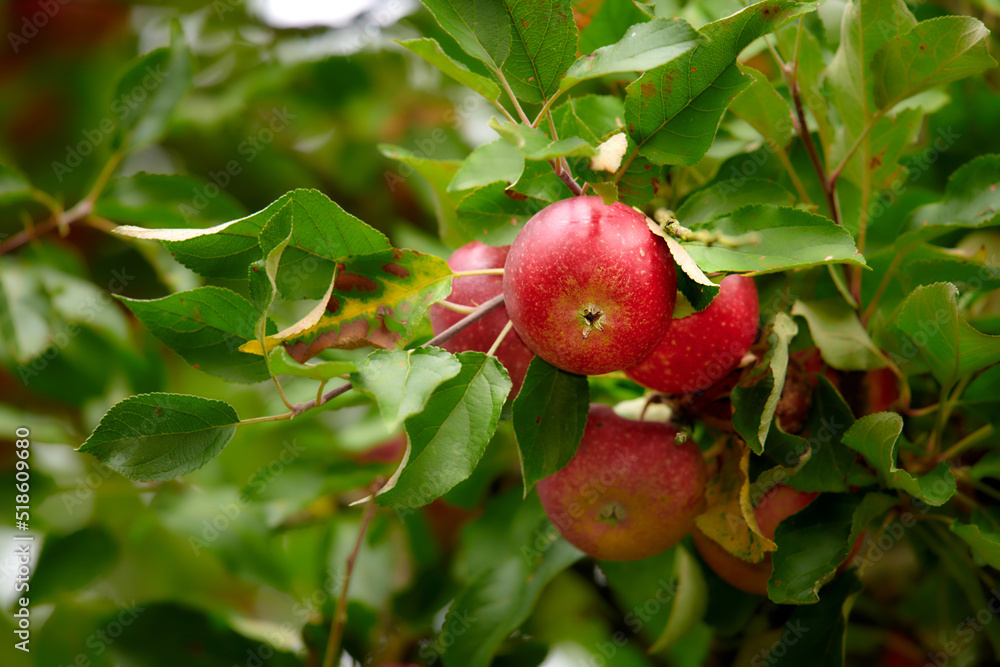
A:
[472,291]
[630,492]
[589,287]
[702,348]
[775,506]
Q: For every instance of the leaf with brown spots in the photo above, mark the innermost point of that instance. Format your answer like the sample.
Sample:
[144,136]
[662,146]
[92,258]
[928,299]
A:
[377,300]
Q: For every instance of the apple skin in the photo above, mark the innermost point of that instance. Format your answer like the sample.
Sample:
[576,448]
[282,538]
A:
[472,291]
[589,287]
[776,505]
[629,492]
[703,347]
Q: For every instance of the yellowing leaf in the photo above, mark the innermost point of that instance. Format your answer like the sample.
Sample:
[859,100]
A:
[376,300]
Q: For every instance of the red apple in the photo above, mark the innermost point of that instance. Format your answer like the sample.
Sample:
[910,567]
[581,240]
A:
[629,492]
[472,291]
[775,506]
[589,287]
[702,348]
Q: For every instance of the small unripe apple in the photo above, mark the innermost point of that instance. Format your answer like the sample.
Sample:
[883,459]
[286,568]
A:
[702,348]
[588,286]
[631,490]
[473,291]
[775,506]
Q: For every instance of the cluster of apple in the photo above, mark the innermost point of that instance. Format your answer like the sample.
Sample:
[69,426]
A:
[589,288]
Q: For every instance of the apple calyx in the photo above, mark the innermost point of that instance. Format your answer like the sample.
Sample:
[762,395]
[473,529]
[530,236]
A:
[613,513]
[591,317]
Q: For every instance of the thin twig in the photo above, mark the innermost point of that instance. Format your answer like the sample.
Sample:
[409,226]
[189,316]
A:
[340,614]
[499,339]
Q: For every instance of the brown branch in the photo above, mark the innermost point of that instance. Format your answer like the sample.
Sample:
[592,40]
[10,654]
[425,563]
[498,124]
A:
[799,121]
[340,614]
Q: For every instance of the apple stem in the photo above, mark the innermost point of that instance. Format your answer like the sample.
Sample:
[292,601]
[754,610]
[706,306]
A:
[456,307]
[478,272]
[500,337]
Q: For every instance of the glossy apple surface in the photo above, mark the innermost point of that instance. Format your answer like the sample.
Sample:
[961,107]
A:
[472,291]
[630,492]
[702,348]
[775,506]
[589,287]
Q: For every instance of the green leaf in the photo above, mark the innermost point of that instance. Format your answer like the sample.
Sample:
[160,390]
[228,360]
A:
[933,53]
[722,198]
[609,24]
[644,46]
[492,162]
[875,437]
[764,109]
[550,413]
[832,466]
[788,238]
[166,200]
[941,336]
[536,145]
[542,47]
[592,117]
[281,363]
[867,24]
[971,199]
[438,174]
[447,439]
[813,542]
[149,91]
[673,579]
[206,326]
[322,234]
[482,29]
[401,382]
[517,553]
[431,51]
[153,437]
[673,111]
[377,300]
[755,401]
[489,214]
[839,335]
[14,185]
[697,288]
[689,603]
[815,634]
[982,535]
